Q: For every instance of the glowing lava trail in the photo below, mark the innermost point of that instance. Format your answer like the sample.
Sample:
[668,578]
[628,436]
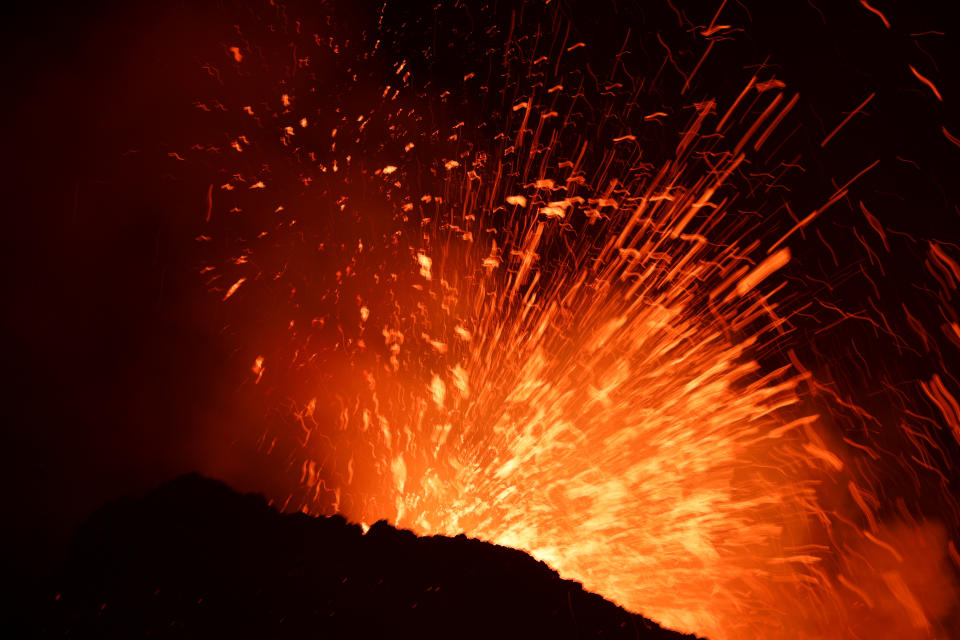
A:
[551,293]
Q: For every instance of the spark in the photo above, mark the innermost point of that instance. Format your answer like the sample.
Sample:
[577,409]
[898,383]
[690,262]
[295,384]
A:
[233,288]
[550,330]
[876,12]
[949,136]
[925,80]
[843,122]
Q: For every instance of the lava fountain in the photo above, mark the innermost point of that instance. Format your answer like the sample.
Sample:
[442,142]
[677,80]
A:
[499,280]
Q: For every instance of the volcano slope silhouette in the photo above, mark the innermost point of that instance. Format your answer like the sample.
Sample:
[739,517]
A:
[195,559]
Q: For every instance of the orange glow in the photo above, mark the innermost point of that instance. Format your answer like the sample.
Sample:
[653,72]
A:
[558,337]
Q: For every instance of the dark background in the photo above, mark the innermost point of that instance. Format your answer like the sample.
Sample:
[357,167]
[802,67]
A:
[117,371]
[115,360]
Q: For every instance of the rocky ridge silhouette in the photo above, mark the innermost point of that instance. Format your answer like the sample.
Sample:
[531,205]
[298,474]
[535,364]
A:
[193,558]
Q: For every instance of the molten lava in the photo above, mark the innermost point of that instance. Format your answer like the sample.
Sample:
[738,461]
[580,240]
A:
[554,307]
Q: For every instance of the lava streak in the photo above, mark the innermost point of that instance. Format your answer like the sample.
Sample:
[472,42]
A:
[547,308]
[594,401]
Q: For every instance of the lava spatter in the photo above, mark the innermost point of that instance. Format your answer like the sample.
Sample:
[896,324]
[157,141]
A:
[502,275]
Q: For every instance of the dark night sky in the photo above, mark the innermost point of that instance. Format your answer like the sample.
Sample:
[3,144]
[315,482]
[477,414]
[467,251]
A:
[116,370]
[113,364]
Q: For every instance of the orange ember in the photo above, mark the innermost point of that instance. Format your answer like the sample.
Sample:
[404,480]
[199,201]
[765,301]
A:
[574,320]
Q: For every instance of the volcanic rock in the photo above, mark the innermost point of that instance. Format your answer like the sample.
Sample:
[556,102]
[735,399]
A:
[194,559]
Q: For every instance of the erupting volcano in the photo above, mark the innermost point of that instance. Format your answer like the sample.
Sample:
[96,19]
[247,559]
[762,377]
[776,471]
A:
[617,286]
[551,305]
